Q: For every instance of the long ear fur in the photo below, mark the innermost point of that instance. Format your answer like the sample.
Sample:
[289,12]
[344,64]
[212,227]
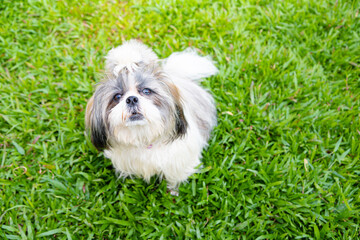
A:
[180,120]
[181,123]
[95,125]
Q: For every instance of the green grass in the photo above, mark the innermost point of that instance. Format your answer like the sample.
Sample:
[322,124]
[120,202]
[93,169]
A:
[283,162]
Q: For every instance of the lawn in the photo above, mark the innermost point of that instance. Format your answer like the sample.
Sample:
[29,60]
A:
[283,162]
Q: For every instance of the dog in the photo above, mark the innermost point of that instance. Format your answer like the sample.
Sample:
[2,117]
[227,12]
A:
[151,116]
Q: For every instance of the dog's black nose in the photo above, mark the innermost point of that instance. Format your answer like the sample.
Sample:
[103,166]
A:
[132,100]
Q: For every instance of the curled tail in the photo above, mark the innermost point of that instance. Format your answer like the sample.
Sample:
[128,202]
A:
[188,64]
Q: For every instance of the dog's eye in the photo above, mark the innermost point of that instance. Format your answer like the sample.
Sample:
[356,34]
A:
[146,91]
[117,97]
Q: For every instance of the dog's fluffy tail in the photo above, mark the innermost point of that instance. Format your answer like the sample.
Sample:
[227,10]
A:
[188,64]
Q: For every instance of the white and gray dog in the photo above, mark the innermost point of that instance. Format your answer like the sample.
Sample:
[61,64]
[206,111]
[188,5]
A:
[150,116]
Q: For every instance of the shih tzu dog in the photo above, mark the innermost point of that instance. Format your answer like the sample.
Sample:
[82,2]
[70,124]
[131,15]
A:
[150,116]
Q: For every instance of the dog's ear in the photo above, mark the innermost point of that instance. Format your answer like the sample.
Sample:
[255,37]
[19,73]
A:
[95,125]
[181,124]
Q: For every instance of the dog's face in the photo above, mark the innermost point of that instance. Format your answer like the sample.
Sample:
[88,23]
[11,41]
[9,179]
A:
[137,106]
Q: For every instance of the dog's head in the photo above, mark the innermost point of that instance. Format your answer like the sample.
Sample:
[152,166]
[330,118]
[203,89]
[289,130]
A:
[137,103]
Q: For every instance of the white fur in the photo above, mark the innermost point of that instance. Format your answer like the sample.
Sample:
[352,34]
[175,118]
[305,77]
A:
[188,64]
[127,55]
[144,149]
[175,161]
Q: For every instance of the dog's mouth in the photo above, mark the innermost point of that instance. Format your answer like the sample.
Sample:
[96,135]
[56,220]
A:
[135,118]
